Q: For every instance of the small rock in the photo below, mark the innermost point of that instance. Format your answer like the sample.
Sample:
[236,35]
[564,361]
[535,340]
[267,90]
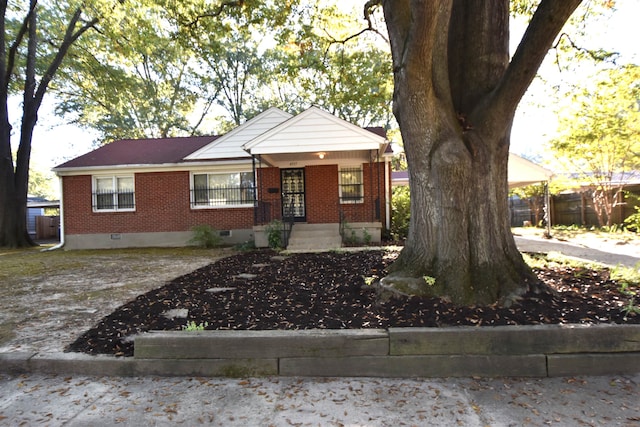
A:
[220,290]
[176,313]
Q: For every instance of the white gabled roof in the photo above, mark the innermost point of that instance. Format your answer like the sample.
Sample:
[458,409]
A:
[523,172]
[230,145]
[314,130]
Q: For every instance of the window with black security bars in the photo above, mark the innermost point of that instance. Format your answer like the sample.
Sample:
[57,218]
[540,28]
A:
[113,193]
[210,190]
[351,185]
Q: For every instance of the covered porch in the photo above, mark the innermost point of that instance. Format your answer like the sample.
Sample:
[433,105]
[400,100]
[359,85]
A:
[325,180]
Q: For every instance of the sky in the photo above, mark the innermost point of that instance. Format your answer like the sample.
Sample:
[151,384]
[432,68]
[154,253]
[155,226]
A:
[535,123]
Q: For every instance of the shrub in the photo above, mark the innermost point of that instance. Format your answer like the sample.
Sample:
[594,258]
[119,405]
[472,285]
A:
[400,212]
[274,234]
[205,236]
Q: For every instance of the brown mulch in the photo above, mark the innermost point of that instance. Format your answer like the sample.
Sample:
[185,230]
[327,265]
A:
[328,290]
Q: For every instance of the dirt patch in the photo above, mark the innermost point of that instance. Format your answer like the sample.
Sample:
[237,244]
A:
[48,298]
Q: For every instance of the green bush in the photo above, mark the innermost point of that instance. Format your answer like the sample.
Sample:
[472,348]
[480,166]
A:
[400,212]
[274,234]
[247,246]
[632,222]
[205,236]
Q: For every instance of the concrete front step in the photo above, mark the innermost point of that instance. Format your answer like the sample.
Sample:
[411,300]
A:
[314,237]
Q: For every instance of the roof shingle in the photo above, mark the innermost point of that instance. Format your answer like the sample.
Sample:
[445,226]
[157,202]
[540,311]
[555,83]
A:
[141,152]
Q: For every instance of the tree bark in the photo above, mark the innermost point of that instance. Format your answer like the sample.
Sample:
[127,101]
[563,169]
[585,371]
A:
[455,96]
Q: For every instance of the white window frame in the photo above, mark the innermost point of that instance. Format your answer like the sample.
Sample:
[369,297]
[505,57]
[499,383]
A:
[221,203]
[341,184]
[114,187]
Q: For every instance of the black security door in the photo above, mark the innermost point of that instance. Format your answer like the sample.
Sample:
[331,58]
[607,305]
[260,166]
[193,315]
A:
[292,184]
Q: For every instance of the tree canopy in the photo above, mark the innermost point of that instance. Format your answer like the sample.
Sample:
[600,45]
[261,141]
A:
[180,69]
[599,137]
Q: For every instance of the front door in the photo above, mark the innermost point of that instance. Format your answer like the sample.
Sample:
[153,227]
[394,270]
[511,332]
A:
[292,184]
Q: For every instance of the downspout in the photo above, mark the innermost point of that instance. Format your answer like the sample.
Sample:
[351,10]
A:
[61,244]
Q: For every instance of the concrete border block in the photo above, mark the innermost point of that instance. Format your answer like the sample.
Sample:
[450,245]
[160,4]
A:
[15,363]
[560,365]
[260,344]
[512,340]
[230,368]
[82,364]
[433,366]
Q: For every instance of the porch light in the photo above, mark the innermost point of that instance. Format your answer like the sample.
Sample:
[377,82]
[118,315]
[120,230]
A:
[321,155]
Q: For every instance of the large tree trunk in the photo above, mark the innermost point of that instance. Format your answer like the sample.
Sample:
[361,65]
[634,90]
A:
[454,100]
[14,182]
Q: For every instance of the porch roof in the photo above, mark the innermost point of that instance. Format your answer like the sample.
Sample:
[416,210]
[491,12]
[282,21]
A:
[523,172]
[315,131]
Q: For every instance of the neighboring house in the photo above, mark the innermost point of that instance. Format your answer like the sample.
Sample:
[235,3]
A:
[33,211]
[313,170]
[40,226]
[521,172]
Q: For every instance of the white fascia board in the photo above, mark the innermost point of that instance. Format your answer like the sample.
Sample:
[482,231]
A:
[315,148]
[239,165]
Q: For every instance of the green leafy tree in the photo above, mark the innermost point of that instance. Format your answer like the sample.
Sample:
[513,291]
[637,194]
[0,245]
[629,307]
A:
[456,90]
[600,136]
[41,183]
[161,68]
[534,196]
[34,40]
[400,212]
[144,82]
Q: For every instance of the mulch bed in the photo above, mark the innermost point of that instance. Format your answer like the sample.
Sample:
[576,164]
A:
[328,291]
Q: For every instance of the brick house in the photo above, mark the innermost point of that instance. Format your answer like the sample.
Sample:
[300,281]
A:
[319,175]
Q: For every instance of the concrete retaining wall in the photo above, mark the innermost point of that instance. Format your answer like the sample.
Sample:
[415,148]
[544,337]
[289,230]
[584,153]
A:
[517,351]
[536,351]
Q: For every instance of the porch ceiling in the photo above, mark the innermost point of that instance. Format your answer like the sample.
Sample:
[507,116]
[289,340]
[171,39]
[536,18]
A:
[284,160]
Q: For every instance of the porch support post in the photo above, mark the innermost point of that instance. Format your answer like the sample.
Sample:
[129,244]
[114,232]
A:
[387,194]
[373,205]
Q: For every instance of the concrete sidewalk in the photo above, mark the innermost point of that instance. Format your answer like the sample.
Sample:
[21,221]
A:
[607,253]
[103,401]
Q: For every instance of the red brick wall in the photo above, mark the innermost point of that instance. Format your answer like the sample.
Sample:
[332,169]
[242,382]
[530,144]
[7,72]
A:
[163,202]
[374,187]
[321,186]
[162,205]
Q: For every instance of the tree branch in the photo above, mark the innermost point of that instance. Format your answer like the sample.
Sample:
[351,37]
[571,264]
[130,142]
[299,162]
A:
[71,35]
[596,55]
[215,13]
[13,50]
[547,21]
[367,11]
